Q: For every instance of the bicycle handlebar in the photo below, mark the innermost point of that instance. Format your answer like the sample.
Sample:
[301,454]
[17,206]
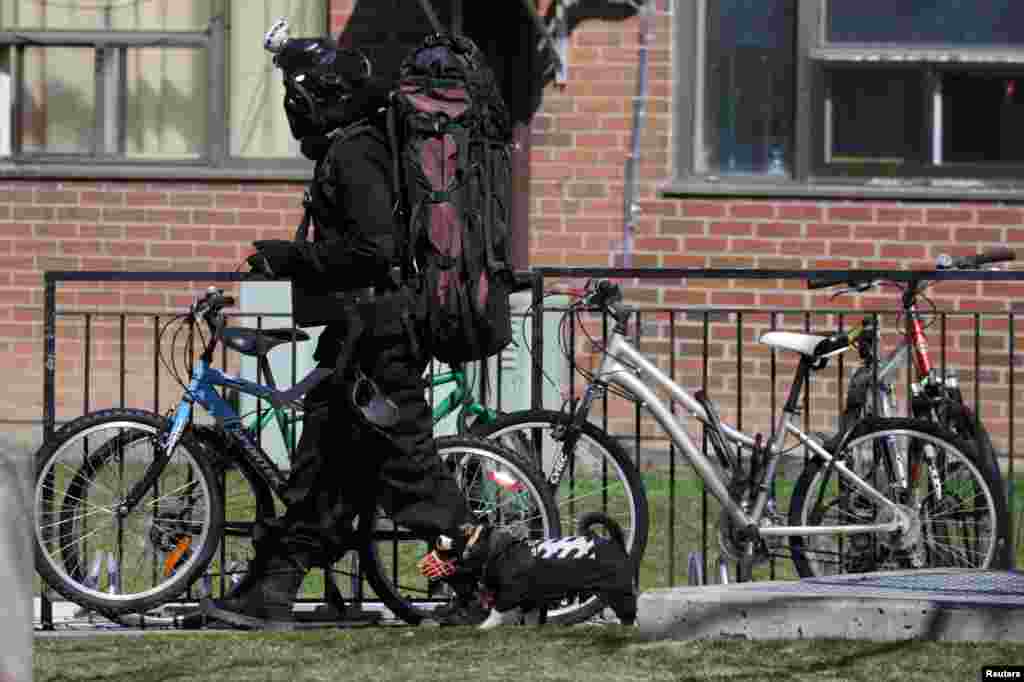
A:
[1000,255]
[607,296]
[943,262]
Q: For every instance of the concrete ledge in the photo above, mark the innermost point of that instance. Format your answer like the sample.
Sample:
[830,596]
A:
[810,609]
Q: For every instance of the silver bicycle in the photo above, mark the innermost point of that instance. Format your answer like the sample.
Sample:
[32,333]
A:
[883,494]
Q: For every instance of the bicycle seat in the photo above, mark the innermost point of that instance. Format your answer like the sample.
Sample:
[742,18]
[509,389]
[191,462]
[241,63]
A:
[812,345]
[248,341]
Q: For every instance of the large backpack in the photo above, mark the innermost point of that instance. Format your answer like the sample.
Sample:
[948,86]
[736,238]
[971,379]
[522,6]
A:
[451,138]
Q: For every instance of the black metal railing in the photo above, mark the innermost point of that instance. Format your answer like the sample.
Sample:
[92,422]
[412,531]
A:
[708,347]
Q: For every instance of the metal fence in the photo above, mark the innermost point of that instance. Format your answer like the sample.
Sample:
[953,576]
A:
[713,347]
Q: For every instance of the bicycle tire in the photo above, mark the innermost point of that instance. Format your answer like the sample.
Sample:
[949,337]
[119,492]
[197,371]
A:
[603,454]
[389,554]
[948,460]
[73,564]
[247,501]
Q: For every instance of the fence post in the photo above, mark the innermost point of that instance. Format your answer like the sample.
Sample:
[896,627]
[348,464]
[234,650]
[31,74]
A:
[49,404]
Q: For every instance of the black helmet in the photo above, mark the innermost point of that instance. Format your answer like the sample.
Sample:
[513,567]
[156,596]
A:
[318,76]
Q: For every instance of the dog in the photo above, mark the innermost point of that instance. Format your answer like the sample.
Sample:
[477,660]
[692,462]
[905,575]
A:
[525,575]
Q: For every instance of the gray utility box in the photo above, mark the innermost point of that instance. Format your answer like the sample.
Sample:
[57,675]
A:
[270,304]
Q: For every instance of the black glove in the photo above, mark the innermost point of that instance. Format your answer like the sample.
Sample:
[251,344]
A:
[275,258]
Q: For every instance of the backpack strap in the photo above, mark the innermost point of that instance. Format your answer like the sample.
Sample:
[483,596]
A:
[401,211]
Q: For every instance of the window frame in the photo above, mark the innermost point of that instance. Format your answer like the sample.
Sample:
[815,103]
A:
[810,176]
[215,162]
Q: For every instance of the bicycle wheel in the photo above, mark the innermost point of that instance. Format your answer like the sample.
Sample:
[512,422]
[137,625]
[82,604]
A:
[498,484]
[958,510]
[107,559]
[598,477]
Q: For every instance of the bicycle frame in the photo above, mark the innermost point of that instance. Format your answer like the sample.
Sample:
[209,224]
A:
[201,389]
[623,365]
[460,398]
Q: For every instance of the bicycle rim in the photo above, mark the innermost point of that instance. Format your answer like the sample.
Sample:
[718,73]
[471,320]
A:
[497,484]
[598,477]
[115,562]
[958,516]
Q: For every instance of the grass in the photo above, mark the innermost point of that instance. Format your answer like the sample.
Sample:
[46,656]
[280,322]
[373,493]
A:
[547,654]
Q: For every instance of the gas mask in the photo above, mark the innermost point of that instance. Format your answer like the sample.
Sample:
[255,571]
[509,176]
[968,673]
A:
[319,78]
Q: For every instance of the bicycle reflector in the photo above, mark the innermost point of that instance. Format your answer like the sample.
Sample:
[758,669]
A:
[505,480]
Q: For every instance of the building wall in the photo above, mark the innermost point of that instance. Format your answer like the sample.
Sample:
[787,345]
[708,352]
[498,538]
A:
[580,141]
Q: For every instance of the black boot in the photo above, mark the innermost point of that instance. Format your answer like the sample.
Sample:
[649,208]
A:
[264,599]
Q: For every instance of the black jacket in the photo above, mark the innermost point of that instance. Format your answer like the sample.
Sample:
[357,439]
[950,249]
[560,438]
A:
[357,238]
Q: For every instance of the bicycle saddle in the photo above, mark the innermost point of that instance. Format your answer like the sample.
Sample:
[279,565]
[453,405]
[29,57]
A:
[248,341]
[812,345]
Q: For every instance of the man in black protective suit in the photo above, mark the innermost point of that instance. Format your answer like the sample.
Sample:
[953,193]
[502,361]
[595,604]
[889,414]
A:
[343,465]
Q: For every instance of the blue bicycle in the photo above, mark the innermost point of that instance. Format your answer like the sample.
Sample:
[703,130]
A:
[132,507]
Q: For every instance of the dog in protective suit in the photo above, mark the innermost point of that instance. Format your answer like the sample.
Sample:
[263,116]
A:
[343,465]
[524,575]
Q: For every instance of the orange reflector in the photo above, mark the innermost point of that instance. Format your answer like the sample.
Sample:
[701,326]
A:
[176,554]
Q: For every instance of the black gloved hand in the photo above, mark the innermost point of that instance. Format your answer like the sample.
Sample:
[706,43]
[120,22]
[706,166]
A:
[275,258]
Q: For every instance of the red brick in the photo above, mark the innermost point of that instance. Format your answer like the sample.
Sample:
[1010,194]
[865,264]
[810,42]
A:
[80,248]
[170,216]
[56,197]
[34,213]
[124,215]
[239,200]
[78,214]
[41,246]
[903,251]
[828,231]
[803,247]
[948,215]
[171,250]
[146,232]
[923,233]
[978,234]
[1001,216]
[851,213]
[103,198]
[191,234]
[146,198]
[730,228]
[272,202]
[751,246]
[191,199]
[214,218]
[703,209]
[781,230]
[854,249]
[752,211]
[706,244]
[886,214]
[876,232]
[55,230]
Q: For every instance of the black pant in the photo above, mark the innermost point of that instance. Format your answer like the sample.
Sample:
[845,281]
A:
[343,466]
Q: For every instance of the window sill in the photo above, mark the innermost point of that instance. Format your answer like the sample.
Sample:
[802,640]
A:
[833,188]
[258,171]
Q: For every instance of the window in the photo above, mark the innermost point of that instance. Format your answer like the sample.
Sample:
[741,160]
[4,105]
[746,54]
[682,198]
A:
[884,91]
[169,81]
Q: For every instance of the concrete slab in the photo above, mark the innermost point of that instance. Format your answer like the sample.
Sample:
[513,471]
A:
[938,604]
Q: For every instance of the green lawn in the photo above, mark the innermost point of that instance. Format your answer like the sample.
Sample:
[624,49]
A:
[547,654]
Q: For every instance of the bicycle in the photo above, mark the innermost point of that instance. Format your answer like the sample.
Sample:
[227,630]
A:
[883,494]
[155,497]
[934,394]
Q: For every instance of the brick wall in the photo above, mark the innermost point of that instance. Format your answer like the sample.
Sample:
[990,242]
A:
[101,226]
[580,141]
